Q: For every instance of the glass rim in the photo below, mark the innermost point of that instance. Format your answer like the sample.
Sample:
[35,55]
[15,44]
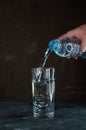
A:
[43,67]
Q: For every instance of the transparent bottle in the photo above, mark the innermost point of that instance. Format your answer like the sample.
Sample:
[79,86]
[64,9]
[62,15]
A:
[68,47]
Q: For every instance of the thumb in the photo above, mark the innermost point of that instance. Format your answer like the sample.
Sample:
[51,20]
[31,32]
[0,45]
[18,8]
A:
[69,34]
[61,37]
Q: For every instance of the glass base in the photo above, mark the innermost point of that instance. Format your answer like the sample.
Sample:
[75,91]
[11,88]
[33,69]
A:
[49,115]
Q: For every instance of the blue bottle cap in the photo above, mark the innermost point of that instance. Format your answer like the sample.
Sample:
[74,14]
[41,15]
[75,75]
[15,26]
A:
[54,44]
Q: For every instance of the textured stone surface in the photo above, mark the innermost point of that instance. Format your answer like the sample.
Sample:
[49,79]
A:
[18,116]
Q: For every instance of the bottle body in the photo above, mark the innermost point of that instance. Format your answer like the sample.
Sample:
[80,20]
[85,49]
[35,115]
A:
[67,48]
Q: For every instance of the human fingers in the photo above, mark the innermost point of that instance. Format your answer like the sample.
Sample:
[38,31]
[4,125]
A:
[83,45]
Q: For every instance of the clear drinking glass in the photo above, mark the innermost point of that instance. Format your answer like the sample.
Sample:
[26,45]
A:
[43,91]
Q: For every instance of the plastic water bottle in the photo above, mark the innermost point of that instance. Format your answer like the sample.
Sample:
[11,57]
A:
[68,47]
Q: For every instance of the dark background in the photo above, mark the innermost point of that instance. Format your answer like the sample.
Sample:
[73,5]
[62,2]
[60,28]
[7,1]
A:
[26,27]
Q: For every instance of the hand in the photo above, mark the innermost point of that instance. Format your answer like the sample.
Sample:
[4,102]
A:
[80,33]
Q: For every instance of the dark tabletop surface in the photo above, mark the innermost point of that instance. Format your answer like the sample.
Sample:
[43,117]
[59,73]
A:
[17,115]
